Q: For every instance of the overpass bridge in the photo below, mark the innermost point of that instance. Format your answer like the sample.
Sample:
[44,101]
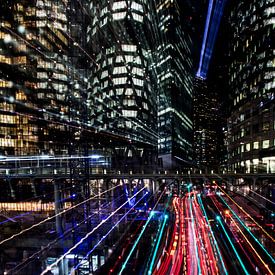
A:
[34,176]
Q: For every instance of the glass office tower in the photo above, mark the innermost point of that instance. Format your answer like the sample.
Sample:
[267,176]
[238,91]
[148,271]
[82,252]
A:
[38,97]
[205,126]
[175,78]
[251,125]
[122,82]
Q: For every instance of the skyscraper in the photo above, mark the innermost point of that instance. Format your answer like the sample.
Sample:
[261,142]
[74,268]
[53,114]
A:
[35,73]
[175,78]
[251,125]
[205,126]
[122,79]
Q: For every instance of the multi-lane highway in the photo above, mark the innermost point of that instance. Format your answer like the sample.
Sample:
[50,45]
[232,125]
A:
[203,231]
[181,229]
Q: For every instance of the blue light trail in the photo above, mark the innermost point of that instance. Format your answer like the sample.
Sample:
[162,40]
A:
[54,264]
[104,237]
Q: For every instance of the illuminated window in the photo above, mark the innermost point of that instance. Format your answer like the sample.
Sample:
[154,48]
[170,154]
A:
[137,71]
[129,91]
[103,22]
[137,17]
[42,75]
[119,15]
[120,70]
[119,5]
[136,6]
[129,113]
[4,59]
[119,91]
[104,74]
[129,58]
[129,102]
[138,82]
[242,148]
[129,48]
[265,144]
[256,145]
[5,84]
[145,105]
[20,95]
[137,60]
[120,80]
[119,59]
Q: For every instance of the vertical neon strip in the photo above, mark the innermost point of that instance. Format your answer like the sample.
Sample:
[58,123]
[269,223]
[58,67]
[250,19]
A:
[215,32]
[210,6]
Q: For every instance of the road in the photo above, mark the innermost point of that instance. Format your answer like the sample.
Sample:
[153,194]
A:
[207,232]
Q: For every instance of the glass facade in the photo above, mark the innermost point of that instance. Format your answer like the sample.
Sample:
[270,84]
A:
[175,78]
[37,94]
[122,80]
[118,69]
[251,130]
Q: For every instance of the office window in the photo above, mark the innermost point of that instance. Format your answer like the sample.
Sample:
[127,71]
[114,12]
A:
[265,144]
[256,145]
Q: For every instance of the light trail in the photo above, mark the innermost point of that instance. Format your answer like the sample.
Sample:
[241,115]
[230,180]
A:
[54,216]
[157,245]
[181,253]
[213,236]
[247,214]
[209,255]
[87,235]
[158,239]
[255,251]
[104,237]
[12,219]
[124,249]
[120,257]
[170,254]
[32,257]
[262,196]
[194,235]
[124,265]
[218,218]
[248,230]
[136,243]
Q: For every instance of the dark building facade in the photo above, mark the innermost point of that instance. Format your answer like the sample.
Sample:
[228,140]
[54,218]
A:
[251,135]
[175,80]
